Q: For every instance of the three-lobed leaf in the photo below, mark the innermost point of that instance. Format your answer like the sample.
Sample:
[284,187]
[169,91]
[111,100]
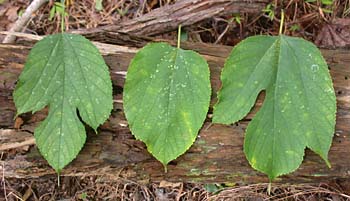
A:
[67,73]
[299,107]
[166,98]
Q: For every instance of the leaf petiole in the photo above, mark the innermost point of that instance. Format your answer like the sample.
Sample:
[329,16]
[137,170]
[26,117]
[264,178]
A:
[165,168]
[58,180]
[282,22]
[179,36]
[63,15]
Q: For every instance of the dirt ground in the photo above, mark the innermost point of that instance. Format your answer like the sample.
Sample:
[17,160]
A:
[327,25]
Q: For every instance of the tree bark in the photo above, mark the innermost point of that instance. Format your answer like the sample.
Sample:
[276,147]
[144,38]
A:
[216,156]
[184,12]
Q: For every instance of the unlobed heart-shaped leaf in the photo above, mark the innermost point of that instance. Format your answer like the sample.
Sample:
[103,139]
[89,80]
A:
[166,98]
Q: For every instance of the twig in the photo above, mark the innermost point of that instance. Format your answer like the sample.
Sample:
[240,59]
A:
[23,20]
[104,48]
[222,34]
[22,35]
[3,176]
[30,141]
[16,196]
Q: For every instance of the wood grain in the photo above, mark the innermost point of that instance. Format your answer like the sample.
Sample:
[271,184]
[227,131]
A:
[184,12]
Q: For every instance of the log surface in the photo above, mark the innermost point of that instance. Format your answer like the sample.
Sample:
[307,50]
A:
[216,156]
[184,12]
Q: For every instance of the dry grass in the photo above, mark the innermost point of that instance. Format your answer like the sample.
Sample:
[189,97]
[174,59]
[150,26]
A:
[282,192]
[82,14]
[106,188]
[301,19]
[99,188]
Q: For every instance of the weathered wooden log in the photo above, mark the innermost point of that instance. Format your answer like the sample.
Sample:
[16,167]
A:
[216,156]
[185,12]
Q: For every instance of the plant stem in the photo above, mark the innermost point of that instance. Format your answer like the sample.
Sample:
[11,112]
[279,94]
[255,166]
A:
[58,180]
[62,24]
[282,21]
[179,36]
[63,16]
[165,168]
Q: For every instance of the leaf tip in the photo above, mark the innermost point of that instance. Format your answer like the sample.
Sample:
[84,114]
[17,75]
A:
[325,158]
[215,116]
[57,169]
[329,165]
[15,117]
[218,120]
[214,120]
[271,177]
[19,111]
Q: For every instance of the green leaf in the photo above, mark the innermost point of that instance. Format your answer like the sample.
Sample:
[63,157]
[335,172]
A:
[52,13]
[295,27]
[326,10]
[98,5]
[327,2]
[299,107]
[166,98]
[214,188]
[65,72]
[59,7]
[184,36]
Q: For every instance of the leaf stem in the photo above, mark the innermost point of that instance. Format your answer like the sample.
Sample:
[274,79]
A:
[282,22]
[179,36]
[63,15]
[62,24]
[165,168]
[58,180]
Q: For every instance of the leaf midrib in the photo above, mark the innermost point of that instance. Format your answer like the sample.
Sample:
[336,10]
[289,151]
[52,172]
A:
[168,98]
[278,44]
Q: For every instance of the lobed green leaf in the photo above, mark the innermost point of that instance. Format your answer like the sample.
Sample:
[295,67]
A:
[67,73]
[299,107]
